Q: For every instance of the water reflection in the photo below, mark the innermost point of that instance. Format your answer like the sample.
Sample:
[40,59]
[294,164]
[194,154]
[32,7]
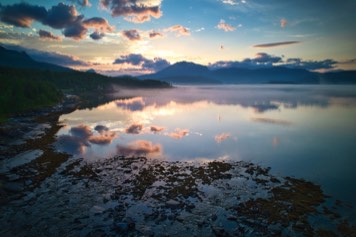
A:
[306,131]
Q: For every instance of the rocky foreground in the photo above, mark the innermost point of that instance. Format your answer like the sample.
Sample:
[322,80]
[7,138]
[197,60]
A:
[141,197]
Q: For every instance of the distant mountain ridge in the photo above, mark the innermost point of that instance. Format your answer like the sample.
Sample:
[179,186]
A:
[15,59]
[191,73]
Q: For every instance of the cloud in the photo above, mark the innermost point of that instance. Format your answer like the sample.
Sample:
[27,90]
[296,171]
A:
[139,148]
[71,144]
[82,3]
[97,35]
[222,137]
[22,14]
[156,129]
[105,137]
[61,16]
[82,136]
[132,35]
[136,11]
[272,121]
[283,23]
[134,104]
[99,24]
[233,2]
[135,128]
[310,65]
[101,128]
[81,131]
[225,27]
[179,29]
[48,35]
[261,60]
[155,35]
[179,133]
[276,44]
[138,60]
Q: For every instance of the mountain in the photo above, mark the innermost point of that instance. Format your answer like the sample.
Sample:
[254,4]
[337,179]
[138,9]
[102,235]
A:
[184,73]
[15,59]
[191,73]
[274,75]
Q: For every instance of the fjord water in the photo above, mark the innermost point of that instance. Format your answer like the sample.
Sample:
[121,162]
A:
[302,131]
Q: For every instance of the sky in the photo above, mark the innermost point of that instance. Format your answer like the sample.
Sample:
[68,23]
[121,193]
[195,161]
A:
[116,37]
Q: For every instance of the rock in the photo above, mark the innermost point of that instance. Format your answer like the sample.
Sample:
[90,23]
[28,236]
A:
[97,209]
[172,204]
[13,187]
[214,217]
[232,218]
[122,227]
[220,232]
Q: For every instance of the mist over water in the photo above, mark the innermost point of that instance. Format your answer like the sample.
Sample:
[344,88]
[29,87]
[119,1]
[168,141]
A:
[302,131]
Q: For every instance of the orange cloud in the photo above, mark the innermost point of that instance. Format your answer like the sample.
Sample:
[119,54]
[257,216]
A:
[105,137]
[138,148]
[222,137]
[179,133]
[179,29]
[156,129]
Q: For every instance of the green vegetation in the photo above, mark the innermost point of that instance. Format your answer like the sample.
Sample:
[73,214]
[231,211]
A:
[25,89]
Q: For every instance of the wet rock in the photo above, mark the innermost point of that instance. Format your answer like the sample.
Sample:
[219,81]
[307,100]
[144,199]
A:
[13,187]
[122,227]
[232,218]
[214,217]
[219,231]
[172,204]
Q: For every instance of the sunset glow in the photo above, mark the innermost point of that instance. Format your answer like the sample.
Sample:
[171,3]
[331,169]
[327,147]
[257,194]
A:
[138,37]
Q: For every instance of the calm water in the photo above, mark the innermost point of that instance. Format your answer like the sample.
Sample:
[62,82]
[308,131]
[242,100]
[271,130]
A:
[302,131]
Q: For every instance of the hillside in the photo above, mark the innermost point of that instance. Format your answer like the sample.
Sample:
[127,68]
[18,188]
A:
[190,73]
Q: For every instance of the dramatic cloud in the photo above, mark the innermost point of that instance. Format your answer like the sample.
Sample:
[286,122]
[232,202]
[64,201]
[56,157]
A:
[261,60]
[139,148]
[179,133]
[22,14]
[310,65]
[283,23]
[180,30]
[48,35]
[221,137]
[276,44]
[155,35]
[135,128]
[134,104]
[60,16]
[132,35]
[97,35]
[225,27]
[272,121]
[156,129]
[138,60]
[137,11]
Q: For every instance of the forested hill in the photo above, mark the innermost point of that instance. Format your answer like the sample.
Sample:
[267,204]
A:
[24,89]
